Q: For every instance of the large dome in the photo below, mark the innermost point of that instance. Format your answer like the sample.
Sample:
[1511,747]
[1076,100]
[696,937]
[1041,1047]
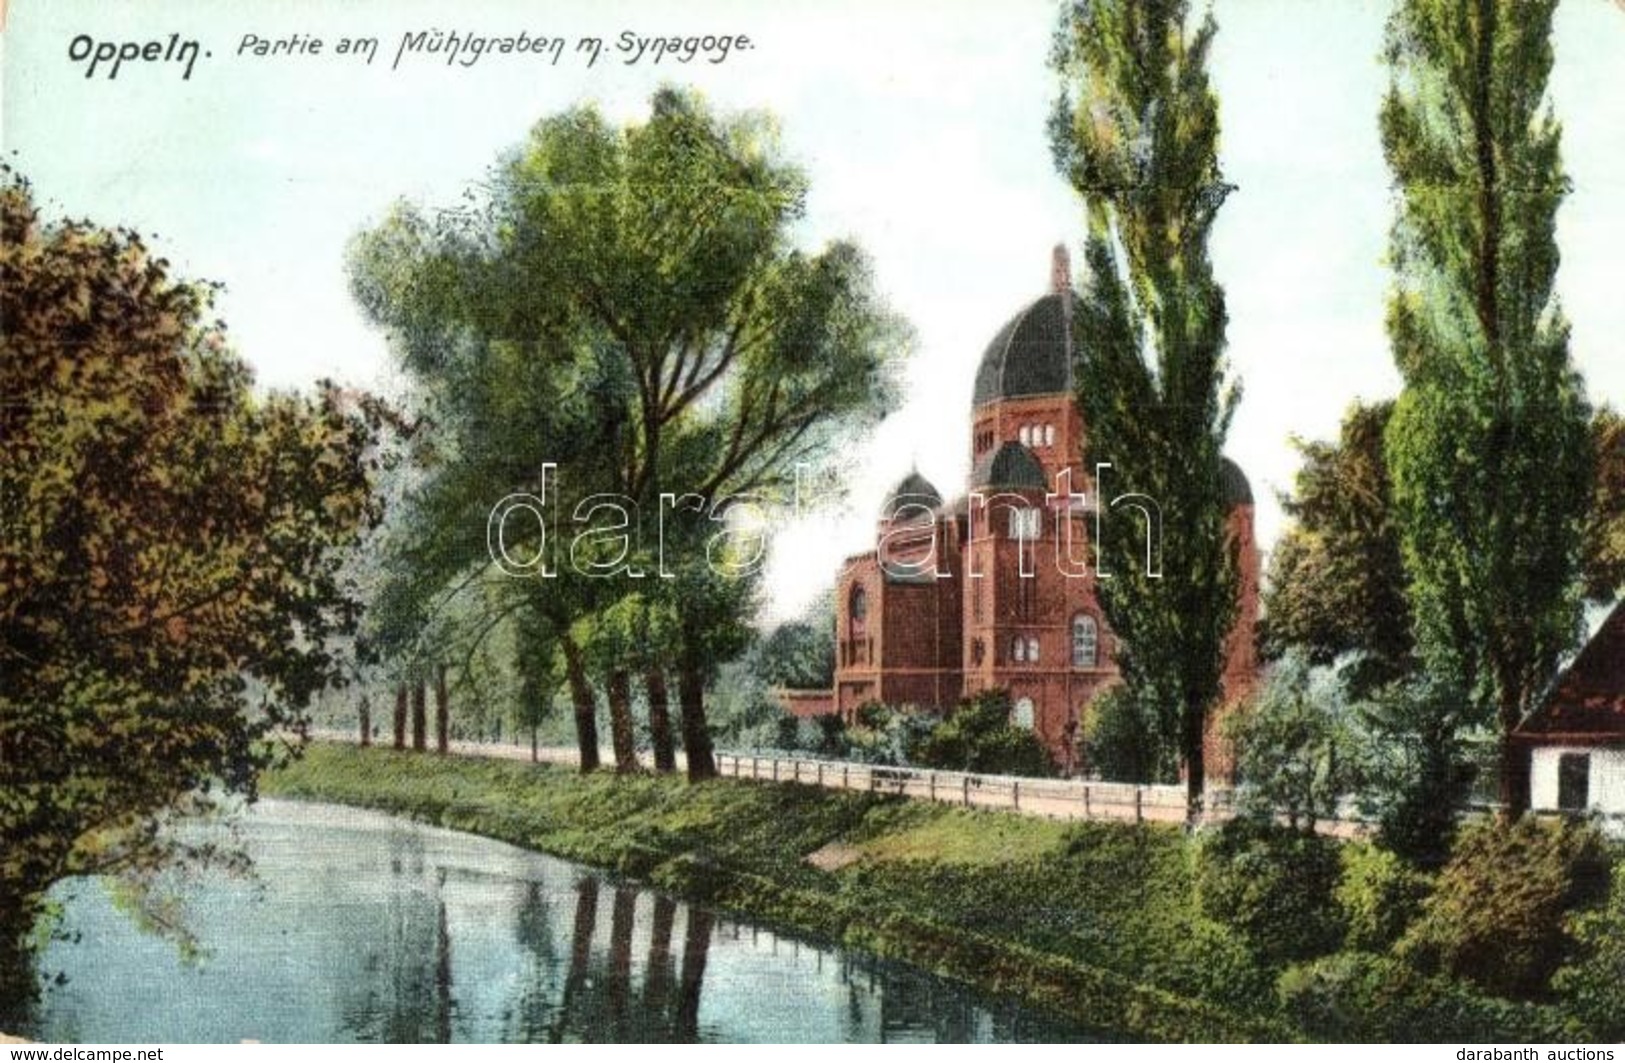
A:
[1031,355]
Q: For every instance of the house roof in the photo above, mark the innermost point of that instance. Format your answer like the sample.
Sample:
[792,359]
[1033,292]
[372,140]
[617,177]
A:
[1588,702]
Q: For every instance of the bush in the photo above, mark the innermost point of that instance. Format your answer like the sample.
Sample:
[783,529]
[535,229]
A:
[1592,986]
[1273,885]
[1295,750]
[1120,740]
[1356,996]
[1496,916]
[1418,770]
[1378,896]
[979,737]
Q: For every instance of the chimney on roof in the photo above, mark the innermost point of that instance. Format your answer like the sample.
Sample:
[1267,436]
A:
[1060,271]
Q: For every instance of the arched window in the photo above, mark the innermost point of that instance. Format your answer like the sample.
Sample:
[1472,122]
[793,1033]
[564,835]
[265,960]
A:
[1085,641]
[1032,649]
[857,611]
[1023,715]
[1018,649]
[1025,435]
[1049,435]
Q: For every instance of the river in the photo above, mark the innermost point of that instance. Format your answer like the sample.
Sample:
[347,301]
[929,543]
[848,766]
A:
[357,926]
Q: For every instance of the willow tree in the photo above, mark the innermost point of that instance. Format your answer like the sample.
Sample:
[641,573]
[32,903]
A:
[1136,133]
[659,256]
[1489,447]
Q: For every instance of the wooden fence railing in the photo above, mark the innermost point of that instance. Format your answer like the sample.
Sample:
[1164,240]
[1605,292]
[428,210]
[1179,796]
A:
[1057,798]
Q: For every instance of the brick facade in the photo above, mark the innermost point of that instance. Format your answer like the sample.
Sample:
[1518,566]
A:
[992,589]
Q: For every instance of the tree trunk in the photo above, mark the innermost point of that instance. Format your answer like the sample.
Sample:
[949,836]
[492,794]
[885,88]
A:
[400,716]
[660,720]
[365,712]
[696,736]
[1514,782]
[618,692]
[442,713]
[535,752]
[419,716]
[1195,764]
[586,706]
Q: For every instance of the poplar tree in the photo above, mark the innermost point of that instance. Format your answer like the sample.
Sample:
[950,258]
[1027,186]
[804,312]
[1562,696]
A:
[1488,449]
[1136,133]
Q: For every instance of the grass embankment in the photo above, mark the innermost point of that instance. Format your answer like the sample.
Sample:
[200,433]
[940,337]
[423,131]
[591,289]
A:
[1094,922]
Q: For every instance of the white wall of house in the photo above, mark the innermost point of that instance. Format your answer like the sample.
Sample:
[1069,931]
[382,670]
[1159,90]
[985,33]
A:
[1606,791]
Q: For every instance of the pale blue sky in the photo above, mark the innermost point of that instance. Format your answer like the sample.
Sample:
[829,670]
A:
[920,123]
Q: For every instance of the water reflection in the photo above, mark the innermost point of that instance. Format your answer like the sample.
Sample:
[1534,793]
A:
[364,928]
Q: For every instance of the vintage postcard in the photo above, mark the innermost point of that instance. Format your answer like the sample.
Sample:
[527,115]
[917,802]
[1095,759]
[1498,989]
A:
[1049,521]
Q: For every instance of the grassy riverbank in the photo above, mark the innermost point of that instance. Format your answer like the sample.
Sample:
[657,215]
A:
[1096,922]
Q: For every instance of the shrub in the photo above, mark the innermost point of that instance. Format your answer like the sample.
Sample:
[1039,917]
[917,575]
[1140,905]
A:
[1496,915]
[1295,751]
[1379,895]
[1356,996]
[1273,885]
[1418,770]
[979,737]
[1120,740]
[1592,985]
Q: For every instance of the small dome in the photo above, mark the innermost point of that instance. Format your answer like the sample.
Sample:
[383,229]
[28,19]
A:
[1237,491]
[1031,355]
[912,492]
[1012,465]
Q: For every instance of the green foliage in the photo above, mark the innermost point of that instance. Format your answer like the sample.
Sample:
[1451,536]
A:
[1121,743]
[1136,133]
[979,737]
[1488,447]
[1592,984]
[1337,584]
[1603,547]
[1295,747]
[1496,914]
[1417,768]
[1272,884]
[1379,896]
[799,655]
[1356,996]
[173,587]
[624,302]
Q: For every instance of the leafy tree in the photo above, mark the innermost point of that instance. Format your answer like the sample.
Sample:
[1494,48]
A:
[651,262]
[1296,749]
[1337,584]
[1136,133]
[171,559]
[1488,448]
